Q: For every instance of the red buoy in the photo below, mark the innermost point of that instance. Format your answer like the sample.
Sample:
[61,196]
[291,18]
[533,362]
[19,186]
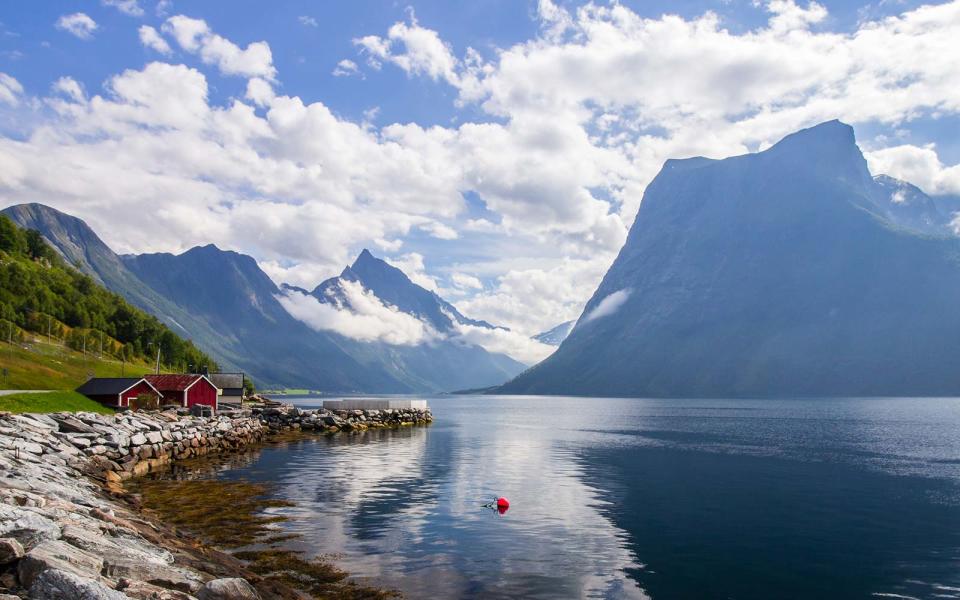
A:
[503,503]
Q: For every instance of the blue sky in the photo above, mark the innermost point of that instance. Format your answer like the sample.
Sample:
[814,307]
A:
[496,150]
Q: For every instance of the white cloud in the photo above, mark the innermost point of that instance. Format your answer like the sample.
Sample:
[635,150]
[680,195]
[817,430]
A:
[195,36]
[151,38]
[127,7]
[415,49]
[517,346]
[307,21]
[533,295]
[346,68]
[464,281]
[439,230]
[364,317]
[70,88]
[163,8]
[260,91]
[918,165]
[77,24]
[10,90]
[609,305]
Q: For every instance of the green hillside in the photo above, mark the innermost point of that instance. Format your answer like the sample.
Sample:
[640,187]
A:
[47,402]
[55,319]
[35,364]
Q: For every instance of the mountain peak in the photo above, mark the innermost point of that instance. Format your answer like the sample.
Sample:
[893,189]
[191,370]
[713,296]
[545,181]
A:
[367,258]
[833,133]
[829,148]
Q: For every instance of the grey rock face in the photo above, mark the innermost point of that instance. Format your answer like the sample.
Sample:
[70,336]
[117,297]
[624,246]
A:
[54,584]
[55,554]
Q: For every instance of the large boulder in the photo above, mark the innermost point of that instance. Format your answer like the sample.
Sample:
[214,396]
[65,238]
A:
[54,584]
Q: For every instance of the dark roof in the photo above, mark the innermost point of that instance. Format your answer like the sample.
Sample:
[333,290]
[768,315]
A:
[104,386]
[226,380]
[173,383]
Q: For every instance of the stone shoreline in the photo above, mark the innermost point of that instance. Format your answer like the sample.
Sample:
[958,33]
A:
[65,533]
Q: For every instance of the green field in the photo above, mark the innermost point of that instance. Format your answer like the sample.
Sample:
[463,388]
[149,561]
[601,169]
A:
[40,365]
[47,402]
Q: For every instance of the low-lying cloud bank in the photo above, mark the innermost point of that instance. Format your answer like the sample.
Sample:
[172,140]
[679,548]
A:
[360,315]
[366,320]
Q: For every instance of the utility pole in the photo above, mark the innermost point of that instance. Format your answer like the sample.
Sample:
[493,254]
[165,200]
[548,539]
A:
[48,328]
[158,359]
[101,345]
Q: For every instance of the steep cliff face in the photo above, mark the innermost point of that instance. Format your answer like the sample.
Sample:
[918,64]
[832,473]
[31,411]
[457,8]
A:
[787,272]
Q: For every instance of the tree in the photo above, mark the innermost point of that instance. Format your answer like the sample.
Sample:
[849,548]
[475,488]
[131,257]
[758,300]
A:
[249,388]
[12,239]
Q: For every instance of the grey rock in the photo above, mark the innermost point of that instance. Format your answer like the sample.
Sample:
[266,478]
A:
[70,424]
[54,554]
[228,589]
[168,577]
[54,584]
[138,440]
[154,437]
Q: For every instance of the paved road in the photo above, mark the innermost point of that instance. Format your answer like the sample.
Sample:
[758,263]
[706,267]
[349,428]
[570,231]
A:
[8,392]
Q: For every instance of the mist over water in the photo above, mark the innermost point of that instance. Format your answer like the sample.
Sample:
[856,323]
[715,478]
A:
[619,498]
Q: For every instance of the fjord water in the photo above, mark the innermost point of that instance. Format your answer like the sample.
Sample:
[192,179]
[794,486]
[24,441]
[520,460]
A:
[633,498]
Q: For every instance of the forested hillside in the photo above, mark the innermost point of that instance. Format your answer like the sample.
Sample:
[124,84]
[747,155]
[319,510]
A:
[40,293]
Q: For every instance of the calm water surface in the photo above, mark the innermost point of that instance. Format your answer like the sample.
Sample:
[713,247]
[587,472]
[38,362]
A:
[614,498]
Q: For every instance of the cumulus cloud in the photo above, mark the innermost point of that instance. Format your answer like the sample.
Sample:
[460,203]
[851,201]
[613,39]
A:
[151,38]
[77,24]
[10,90]
[362,317]
[346,68]
[608,306]
[919,165]
[415,49]
[195,36]
[307,21]
[127,7]
[70,88]
[464,281]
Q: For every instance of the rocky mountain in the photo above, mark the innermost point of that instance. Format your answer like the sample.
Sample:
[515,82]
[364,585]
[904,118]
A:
[225,303]
[555,335]
[392,286]
[461,365]
[789,272]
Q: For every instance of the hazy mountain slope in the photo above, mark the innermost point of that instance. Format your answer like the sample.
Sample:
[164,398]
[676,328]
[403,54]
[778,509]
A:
[770,274]
[237,299]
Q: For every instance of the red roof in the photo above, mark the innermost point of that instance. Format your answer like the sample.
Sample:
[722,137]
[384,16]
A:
[172,383]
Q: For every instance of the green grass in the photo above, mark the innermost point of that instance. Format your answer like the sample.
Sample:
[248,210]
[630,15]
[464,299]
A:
[47,402]
[40,365]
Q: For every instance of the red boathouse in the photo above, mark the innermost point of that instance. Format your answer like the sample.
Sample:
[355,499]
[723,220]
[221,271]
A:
[117,392]
[185,390]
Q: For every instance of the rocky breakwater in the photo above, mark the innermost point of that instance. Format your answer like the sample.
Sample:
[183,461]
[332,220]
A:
[63,537]
[288,418]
